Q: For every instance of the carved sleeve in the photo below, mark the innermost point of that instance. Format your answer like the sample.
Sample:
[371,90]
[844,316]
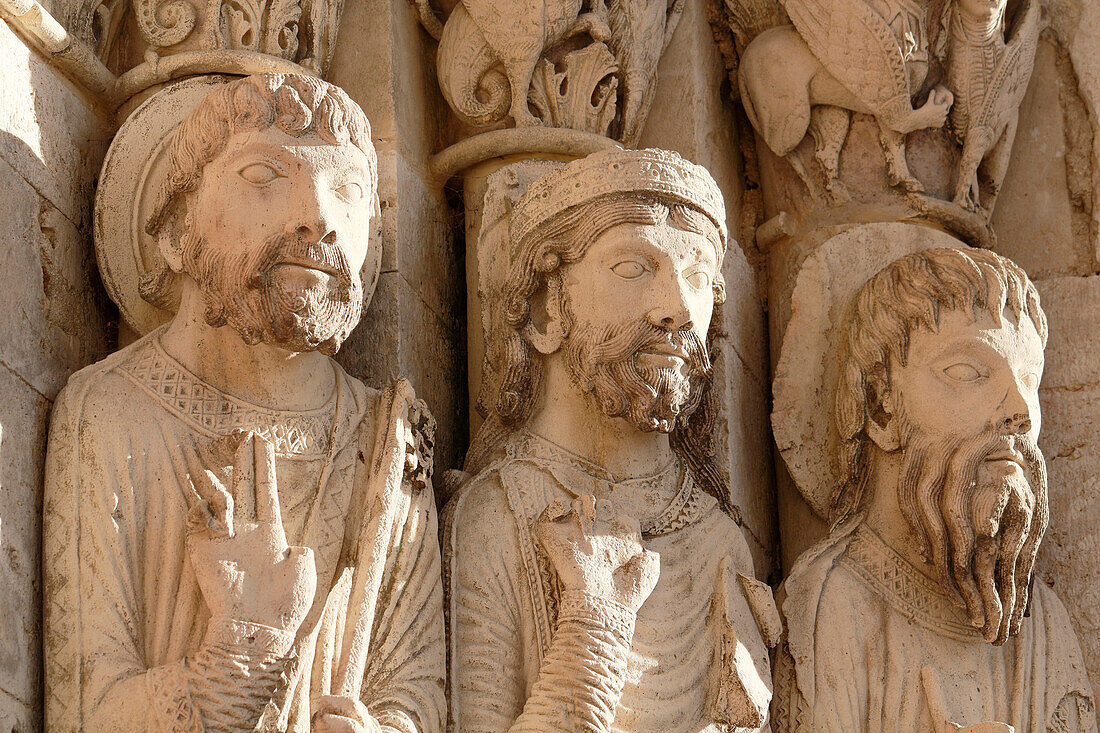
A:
[581,678]
[225,685]
[403,683]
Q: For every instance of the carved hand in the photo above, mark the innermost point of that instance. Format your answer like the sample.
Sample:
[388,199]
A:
[243,565]
[342,715]
[598,551]
[933,113]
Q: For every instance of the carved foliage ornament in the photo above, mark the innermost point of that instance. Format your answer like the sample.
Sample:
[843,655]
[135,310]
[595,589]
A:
[302,31]
[586,65]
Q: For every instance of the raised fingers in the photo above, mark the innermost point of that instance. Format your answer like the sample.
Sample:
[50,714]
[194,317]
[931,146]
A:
[211,502]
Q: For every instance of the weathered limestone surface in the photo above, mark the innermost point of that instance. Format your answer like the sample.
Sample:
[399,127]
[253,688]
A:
[907,616]
[688,117]
[597,459]
[1070,394]
[56,320]
[384,61]
[238,534]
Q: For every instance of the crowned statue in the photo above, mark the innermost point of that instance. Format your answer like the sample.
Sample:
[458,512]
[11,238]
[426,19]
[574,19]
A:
[593,584]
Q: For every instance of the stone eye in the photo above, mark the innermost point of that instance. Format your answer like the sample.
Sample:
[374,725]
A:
[351,192]
[259,173]
[629,269]
[699,279]
[1031,380]
[962,372]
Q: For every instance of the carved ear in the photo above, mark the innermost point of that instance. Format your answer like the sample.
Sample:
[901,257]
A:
[882,424]
[169,241]
[546,328]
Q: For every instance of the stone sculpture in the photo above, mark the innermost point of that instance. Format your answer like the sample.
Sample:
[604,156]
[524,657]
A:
[567,60]
[839,57]
[592,584]
[919,612]
[238,535]
[988,76]
[122,32]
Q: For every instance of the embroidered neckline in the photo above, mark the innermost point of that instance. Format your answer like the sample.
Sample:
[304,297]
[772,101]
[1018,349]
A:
[685,507]
[909,591]
[298,433]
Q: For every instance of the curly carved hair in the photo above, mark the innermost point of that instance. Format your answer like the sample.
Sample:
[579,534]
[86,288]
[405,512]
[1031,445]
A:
[562,241]
[912,292]
[296,104]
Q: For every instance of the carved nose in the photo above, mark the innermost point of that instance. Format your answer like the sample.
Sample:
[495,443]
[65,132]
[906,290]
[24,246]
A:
[310,234]
[1016,424]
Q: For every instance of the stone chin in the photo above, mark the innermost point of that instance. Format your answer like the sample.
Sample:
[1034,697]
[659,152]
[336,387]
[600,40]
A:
[648,376]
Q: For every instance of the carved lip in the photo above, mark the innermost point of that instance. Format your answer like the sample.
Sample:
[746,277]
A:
[1007,454]
[665,350]
[308,264]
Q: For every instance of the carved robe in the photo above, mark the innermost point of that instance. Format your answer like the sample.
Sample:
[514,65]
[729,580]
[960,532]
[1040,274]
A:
[526,657]
[874,645]
[123,612]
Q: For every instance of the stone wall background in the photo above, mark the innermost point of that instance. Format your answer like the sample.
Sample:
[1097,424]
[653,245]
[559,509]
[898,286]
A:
[56,319]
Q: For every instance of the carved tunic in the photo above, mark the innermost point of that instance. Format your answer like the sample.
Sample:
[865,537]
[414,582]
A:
[873,645]
[124,614]
[508,615]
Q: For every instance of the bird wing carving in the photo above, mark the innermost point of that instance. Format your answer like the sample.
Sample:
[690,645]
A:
[638,33]
[1008,85]
[515,29]
[856,46]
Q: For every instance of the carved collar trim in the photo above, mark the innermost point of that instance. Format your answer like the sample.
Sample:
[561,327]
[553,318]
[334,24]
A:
[686,506]
[305,434]
[905,588]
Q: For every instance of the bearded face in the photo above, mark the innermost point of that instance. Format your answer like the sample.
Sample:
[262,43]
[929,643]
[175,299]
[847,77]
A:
[979,521]
[636,309]
[972,483]
[254,292]
[276,238]
[604,361]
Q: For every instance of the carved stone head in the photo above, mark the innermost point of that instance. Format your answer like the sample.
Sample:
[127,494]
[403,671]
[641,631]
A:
[616,272]
[267,209]
[940,379]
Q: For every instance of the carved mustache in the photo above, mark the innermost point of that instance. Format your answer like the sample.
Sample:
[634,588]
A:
[624,342]
[284,249]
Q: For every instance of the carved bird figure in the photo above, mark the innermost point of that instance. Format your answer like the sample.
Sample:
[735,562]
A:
[488,50]
[988,76]
[640,31]
[841,56]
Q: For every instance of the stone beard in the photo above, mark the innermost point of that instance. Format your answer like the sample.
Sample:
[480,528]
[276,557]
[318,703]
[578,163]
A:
[604,362]
[246,290]
[980,528]
[594,585]
[238,535]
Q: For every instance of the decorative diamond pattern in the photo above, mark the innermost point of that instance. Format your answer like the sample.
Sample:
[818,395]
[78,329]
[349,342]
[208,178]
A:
[305,434]
[903,586]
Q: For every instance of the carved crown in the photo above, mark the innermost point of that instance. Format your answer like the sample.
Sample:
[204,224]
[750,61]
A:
[618,171]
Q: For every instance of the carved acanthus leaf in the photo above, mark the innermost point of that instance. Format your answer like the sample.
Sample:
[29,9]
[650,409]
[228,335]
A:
[280,36]
[582,95]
